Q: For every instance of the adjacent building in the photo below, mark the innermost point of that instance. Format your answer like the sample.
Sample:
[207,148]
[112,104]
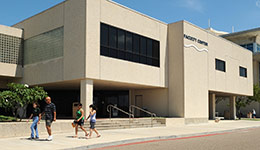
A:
[98,51]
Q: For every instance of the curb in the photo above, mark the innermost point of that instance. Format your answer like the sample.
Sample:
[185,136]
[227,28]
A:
[158,138]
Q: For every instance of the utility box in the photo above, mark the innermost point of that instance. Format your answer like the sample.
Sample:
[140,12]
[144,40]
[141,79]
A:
[226,114]
[74,109]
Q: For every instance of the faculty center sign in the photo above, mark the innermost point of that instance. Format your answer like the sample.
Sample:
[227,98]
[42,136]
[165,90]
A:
[197,41]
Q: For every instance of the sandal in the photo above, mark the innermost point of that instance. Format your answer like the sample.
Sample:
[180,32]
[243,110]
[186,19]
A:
[98,136]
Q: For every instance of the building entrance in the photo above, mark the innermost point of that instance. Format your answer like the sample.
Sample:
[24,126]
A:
[119,99]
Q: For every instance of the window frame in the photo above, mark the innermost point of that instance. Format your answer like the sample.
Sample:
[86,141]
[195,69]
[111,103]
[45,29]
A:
[217,61]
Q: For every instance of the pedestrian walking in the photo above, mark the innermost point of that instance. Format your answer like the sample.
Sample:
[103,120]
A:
[35,115]
[79,120]
[50,116]
[92,116]
[254,113]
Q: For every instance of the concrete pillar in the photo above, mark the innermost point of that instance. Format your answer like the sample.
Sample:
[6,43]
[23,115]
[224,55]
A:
[232,109]
[212,105]
[86,95]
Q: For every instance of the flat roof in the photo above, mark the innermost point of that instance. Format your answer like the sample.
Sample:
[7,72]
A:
[251,33]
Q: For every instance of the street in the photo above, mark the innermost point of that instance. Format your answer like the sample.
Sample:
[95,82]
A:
[247,139]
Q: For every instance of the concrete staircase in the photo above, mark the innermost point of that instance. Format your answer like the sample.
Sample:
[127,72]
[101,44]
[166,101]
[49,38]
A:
[124,123]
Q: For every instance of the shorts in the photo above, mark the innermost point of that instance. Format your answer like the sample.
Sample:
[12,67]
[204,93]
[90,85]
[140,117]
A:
[48,122]
[92,125]
[80,123]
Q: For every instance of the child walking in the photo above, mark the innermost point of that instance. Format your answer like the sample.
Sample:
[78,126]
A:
[79,120]
[92,116]
[35,116]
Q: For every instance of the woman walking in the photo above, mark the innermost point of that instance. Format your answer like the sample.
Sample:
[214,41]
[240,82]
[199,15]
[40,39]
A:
[35,115]
[79,120]
[92,116]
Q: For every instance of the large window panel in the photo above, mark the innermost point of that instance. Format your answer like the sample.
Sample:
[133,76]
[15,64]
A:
[112,37]
[44,46]
[149,47]
[136,43]
[143,46]
[125,45]
[121,39]
[104,36]
[129,42]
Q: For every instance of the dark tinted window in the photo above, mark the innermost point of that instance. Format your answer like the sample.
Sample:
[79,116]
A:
[156,49]
[112,37]
[104,36]
[149,47]
[242,71]
[136,43]
[121,39]
[129,44]
[125,45]
[220,65]
[143,46]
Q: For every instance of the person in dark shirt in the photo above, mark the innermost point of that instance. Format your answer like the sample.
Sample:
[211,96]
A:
[35,115]
[50,115]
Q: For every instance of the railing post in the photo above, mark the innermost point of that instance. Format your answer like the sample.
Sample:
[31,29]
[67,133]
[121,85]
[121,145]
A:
[110,112]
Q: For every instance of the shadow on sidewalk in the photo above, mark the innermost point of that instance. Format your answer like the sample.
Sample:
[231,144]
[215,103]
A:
[29,139]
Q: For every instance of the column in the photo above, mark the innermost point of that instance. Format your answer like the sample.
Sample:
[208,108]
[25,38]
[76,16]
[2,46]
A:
[86,95]
[212,105]
[232,108]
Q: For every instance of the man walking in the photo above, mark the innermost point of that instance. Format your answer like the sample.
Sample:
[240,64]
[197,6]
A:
[50,115]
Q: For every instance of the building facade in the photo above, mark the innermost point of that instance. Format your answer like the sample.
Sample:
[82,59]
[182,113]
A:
[250,40]
[97,51]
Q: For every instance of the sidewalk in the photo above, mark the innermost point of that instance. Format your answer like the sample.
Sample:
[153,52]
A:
[116,137]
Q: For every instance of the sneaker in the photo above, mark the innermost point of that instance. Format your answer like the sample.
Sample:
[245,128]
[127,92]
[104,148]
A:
[37,138]
[49,138]
[30,138]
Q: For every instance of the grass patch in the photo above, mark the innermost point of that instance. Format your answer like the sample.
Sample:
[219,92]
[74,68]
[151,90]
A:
[7,118]
[256,119]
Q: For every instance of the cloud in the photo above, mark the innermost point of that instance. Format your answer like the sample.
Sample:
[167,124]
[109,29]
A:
[258,3]
[195,5]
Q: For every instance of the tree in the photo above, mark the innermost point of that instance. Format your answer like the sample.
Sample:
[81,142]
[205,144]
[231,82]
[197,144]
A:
[19,96]
[243,101]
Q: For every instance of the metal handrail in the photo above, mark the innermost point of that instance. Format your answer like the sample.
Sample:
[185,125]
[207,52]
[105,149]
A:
[148,112]
[136,107]
[109,107]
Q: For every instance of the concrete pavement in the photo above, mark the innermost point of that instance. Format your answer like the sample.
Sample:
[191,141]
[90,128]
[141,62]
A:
[121,136]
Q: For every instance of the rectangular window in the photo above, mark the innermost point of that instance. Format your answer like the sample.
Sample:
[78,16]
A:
[121,39]
[125,45]
[104,36]
[136,43]
[220,65]
[143,46]
[112,37]
[129,44]
[242,71]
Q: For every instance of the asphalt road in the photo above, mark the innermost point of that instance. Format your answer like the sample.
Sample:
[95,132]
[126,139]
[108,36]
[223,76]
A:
[238,140]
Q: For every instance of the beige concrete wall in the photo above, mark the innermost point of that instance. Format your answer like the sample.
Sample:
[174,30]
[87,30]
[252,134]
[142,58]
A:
[44,72]
[11,31]
[195,74]
[234,56]
[74,39]
[192,72]
[104,68]
[11,70]
[176,70]
[154,100]
[71,15]
[45,21]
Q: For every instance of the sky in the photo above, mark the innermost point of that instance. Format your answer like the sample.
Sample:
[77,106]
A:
[223,14]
